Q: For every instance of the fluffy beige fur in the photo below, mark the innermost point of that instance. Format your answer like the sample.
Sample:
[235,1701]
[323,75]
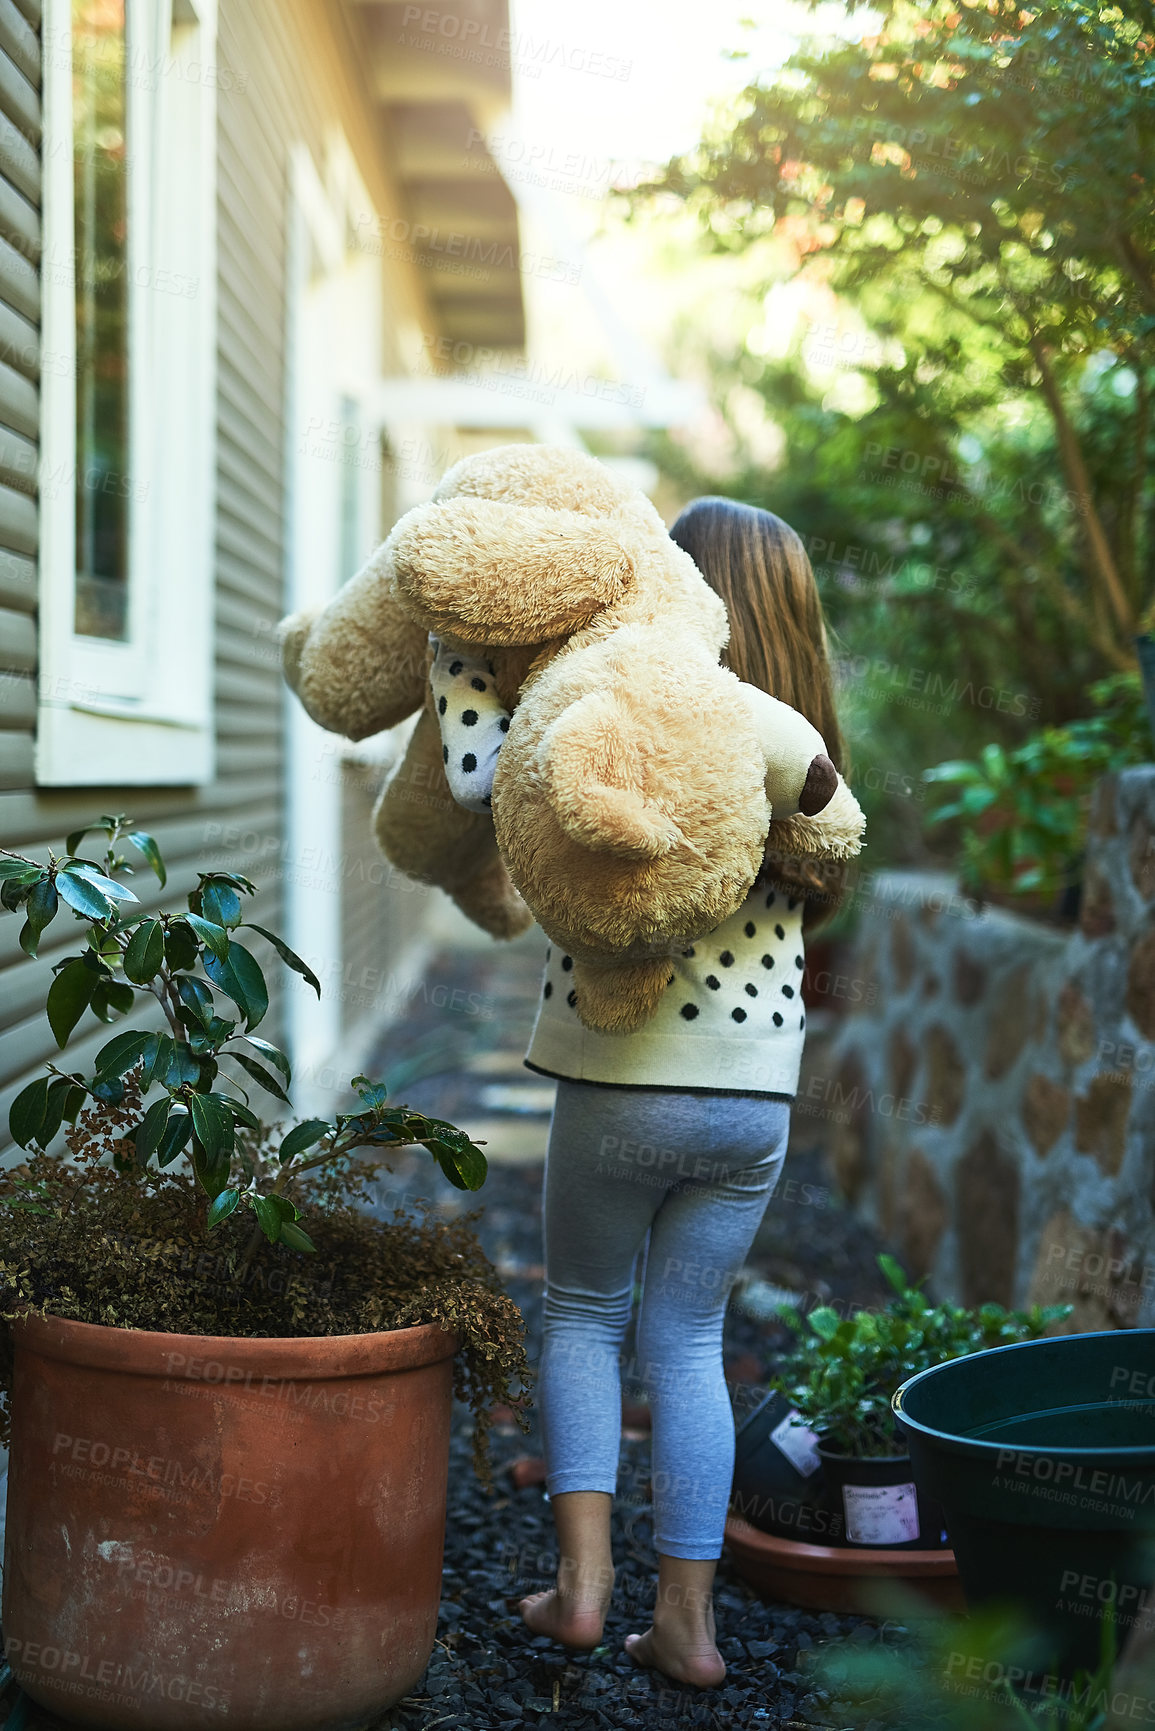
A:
[625,838]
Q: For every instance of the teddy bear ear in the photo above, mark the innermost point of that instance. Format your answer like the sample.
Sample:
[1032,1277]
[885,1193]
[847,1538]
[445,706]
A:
[484,571]
[588,756]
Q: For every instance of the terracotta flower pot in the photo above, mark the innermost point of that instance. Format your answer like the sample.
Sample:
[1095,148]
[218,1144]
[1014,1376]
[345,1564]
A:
[213,1531]
[838,1578]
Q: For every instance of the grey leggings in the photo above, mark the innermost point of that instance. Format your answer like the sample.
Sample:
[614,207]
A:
[696,1172]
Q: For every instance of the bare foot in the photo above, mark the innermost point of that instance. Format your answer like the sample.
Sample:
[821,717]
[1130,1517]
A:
[574,1620]
[682,1651]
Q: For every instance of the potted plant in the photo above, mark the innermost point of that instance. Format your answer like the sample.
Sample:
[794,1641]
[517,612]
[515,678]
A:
[1022,813]
[229,1387]
[830,1410]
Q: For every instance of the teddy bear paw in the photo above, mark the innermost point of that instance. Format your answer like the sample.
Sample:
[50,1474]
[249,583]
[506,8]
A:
[819,787]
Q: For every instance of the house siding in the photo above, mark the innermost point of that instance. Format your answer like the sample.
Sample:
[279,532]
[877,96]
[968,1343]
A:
[287,74]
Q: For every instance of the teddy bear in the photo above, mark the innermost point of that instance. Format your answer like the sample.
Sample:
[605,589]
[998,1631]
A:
[636,785]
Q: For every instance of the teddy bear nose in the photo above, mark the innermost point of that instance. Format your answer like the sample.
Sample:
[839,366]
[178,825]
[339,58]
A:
[818,788]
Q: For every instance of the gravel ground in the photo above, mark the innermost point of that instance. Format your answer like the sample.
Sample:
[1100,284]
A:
[487,1670]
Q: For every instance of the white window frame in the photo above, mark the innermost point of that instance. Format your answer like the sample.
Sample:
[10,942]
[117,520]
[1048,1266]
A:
[335,319]
[138,712]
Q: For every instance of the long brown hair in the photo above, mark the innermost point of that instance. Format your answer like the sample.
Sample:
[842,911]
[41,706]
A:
[759,567]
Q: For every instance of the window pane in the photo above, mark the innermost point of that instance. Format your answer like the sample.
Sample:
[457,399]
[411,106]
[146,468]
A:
[100,180]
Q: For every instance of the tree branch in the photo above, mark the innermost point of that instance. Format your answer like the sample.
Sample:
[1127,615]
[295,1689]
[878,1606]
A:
[1103,567]
[1056,589]
[1138,267]
[1139,479]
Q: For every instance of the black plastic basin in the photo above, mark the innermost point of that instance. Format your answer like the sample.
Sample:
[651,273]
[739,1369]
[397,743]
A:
[1043,1458]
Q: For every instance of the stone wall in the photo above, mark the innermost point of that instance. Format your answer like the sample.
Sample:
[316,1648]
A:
[990,1091]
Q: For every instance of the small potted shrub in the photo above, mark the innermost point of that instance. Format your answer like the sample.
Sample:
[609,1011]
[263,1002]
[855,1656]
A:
[228,1386]
[830,1402]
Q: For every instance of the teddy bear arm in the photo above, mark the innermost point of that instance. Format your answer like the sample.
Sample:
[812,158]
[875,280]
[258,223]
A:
[358,664]
[800,776]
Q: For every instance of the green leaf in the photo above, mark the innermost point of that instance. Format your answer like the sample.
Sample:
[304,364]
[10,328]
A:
[466,1168]
[287,955]
[121,1053]
[83,896]
[12,894]
[197,999]
[271,1053]
[259,1074]
[68,997]
[237,879]
[59,1091]
[74,1100]
[238,1111]
[151,1130]
[157,1057]
[211,1175]
[27,1112]
[294,1237]
[183,1065]
[222,1206]
[212,1125]
[220,903]
[145,844]
[956,770]
[175,1137]
[211,933]
[107,1004]
[73,841]
[39,908]
[269,1217]
[824,1321]
[896,1276]
[303,1136]
[23,871]
[374,1094]
[106,885]
[180,945]
[240,976]
[144,956]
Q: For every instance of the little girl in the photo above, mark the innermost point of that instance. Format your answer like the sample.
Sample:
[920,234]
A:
[677,1131]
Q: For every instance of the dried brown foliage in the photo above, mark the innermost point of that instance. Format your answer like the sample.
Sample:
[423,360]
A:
[130,1251]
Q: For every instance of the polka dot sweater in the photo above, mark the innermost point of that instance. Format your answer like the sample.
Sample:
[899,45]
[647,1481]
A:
[473,723]
[732,1020]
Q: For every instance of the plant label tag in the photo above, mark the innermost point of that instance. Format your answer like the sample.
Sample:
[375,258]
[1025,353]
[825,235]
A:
[880,1514]
[800,1446]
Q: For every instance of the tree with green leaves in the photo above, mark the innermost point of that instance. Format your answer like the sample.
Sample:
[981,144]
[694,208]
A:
[976,182]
